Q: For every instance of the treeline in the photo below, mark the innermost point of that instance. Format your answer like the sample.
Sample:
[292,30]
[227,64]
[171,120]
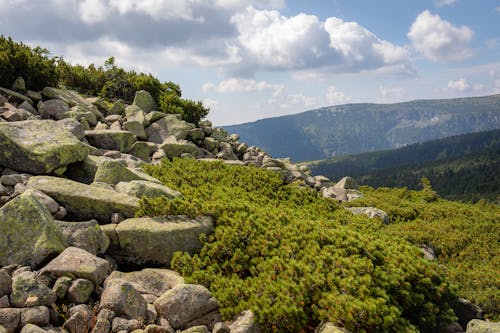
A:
[463,167]
[39,69]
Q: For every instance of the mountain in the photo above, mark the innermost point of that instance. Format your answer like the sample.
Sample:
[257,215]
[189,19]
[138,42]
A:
[355,128]
[463,167]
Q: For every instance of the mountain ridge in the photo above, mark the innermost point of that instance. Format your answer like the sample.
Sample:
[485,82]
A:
[359,127]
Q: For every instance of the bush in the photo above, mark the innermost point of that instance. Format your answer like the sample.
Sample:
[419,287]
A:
[295,258]
[33,64]
[464,237]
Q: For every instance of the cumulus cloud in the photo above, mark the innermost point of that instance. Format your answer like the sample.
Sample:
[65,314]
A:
[268,40]
[335,97]
[459,85]
[438,40]
[234,85]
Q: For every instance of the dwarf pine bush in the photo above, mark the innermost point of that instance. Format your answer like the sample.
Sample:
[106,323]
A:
[295,258]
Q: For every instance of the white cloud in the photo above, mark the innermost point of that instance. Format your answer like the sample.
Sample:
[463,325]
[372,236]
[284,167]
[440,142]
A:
[441,3]
[211,103]
[268,40]
[497,9]
[335,97]
[93,11]
[300,99]
[459,85]
[438,40]
[235,85]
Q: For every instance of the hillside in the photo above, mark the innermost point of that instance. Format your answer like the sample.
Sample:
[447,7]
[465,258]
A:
[356,128]
[463,167]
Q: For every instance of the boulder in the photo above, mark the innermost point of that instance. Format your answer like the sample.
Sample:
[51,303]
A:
[113,172]
[333,192]
[61,286]
[220,135]
[28,292]
[117,108]
[38,146]
[111,139]
[465,310]
[19,84]
[81,114]
[10,318]
[371,212]
[135,113]
[482,326]
[196,329]
[84,171]
[145,101]
[79,291]
[244,323]
[327,327]
[35,96]
[140,188]
[52,108]
[154,240]
[28,233]
[122,298]
[85,202]
[153,116]
[169,125]
[77,263]
[15,96]
[185,303]
[5,283]
[347,183]
[72,126]
[70,97]
[84,235]
[37,315]
[136,128]
[175,148]
[28,107]
[143,150]
[155,281]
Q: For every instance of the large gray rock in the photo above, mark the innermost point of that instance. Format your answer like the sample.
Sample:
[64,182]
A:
[52,108]
[244,323]
[15,96]
[122,298]
[70,97]
[10,318]
[19,84]
[145,101]
[36,315]
[169,125]
[78,263]
[347,183]
[113,172]
[482,326]
[184,304]
[81,114]
[175,148]
[28,233]
[27,291]
[465,310]
[38,146]
[5,283]
[111,139]
[84,235]
[154,281]
[154,240]
[135,113]
[371,212]
[140,188]
[85,202]
[84,171]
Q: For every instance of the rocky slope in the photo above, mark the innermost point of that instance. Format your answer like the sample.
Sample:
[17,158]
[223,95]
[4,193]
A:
[73,257]
[356,128]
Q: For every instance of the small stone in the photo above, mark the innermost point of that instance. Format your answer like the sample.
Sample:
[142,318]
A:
[113,154]
[196,329]
[122,298]
[125,324]
[61,286]
[5,283]
[155,329]
[77,323]
[220,327]
[38,315]
[80,291]
[4,302]
[117,218]
[60,213]
[32,328]
[10,318]
[102,326]
[27,291]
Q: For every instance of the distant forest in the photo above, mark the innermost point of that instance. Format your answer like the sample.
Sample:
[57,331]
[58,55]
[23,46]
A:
[464,167]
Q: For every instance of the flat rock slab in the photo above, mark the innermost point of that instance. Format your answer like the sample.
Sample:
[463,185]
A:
[169,125]
[85,202]
[155,281]
[38,146]
[111,139]
[70,97]
[154,240]
[77,263]
[113,172]
[140,188]
[28,232]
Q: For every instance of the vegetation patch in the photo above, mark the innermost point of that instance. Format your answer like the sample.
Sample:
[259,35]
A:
[295,258]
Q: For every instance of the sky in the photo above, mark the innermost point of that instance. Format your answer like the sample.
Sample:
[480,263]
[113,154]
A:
[249,60]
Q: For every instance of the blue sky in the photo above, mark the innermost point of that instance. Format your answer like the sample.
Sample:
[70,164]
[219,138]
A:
[249,60]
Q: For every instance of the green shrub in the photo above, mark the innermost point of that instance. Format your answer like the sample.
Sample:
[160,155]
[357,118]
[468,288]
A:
[33,64]
[464,237]
[295,258]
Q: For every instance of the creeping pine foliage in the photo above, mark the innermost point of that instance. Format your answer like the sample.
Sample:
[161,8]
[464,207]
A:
[465,237]
[295,258]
